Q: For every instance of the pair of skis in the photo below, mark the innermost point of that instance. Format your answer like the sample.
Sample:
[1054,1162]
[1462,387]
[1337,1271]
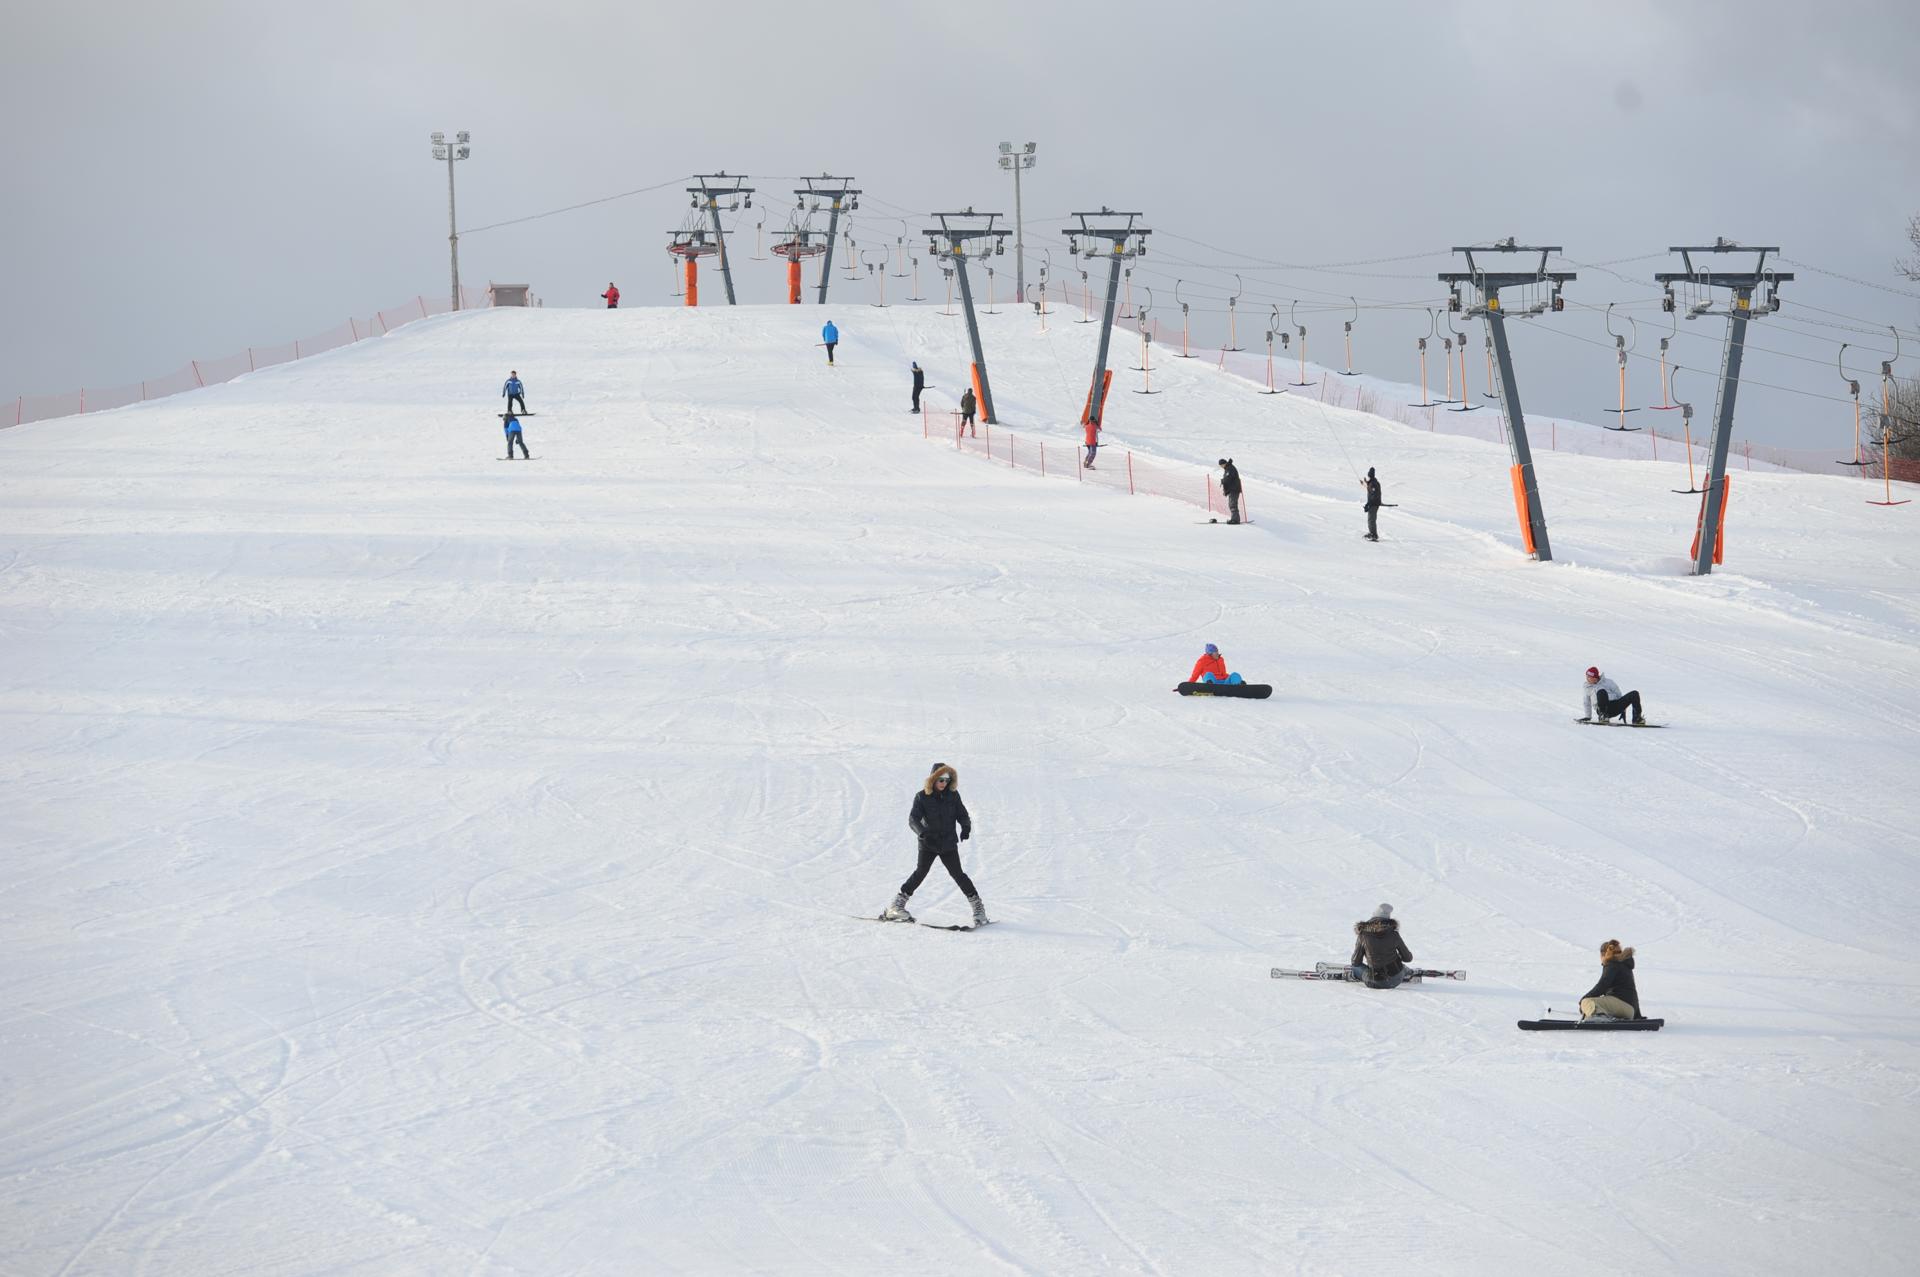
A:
[936,926]
[1341,971]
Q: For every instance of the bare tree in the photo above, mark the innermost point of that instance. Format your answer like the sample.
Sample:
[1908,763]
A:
[1911,267]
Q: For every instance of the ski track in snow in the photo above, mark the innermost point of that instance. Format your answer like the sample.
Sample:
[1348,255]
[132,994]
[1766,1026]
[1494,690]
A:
[421,864]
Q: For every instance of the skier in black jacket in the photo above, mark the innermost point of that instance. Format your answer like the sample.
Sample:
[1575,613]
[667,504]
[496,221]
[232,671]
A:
[937,813]
[1230,488]
[1372,486]
[1615,997]
[919,384]
[1380,956]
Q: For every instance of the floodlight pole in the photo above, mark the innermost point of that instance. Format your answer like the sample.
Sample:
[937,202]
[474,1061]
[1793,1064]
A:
[1126,241]
[842,196]
[955,250]
[451,151]
[707,195]
[1742,283]
[1489,284]
[1017,160]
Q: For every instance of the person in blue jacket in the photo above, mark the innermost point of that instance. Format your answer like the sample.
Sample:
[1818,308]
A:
[514,392]
[831,336]
[514,436]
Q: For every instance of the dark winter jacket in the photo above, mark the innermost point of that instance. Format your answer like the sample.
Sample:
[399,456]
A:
[1380,947]
[1616,980]
[967,403]
[1373,493]
[1229,480]
[919,379]
[935,816]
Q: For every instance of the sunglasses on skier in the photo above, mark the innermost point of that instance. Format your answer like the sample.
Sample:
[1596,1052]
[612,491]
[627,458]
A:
[941,780]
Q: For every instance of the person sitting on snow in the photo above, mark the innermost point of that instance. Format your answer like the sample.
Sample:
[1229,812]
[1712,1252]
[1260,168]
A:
[1212,668]
[1380,956]
[1615,997]
[1604,702]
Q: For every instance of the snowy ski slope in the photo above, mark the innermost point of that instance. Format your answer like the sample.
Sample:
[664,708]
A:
[417,863]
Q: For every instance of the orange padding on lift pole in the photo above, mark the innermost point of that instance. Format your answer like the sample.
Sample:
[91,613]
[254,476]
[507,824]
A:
[1086,413]
[979,399]
[1520,507]
[693,280]
[793,280]
[1720,524]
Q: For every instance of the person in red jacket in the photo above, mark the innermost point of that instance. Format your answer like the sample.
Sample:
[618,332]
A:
[1092,440]
[612,295]
[1212,668]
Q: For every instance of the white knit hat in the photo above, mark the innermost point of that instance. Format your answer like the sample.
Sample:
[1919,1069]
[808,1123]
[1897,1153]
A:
[1384,911]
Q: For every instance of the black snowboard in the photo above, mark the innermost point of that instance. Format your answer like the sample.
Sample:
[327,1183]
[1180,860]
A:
[1252,691]
[1622,723]
[1596,1026]
[504,415]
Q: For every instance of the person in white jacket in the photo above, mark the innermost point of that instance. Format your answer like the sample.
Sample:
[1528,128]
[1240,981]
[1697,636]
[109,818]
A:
[1603,700]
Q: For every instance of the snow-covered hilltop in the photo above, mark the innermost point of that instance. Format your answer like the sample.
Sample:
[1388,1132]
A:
[422,863]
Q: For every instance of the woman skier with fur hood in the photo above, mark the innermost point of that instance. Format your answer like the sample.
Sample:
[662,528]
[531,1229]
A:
[1615,997]
[937,813]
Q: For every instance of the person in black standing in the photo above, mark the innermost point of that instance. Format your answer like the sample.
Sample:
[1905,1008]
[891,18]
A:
[1230,488]
[1372,485]
[967,405]
[919,384]
[1380,956]
[937,813]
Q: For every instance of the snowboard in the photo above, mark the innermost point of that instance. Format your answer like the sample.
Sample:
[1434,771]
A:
[1622,723]
[1253,691]
[1340,971]
[1596,1026]
[504,415]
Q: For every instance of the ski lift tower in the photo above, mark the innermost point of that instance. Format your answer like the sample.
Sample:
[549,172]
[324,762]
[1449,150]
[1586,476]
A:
[796,247]
[954,250]
[707,196]
[1123,241]
[1707,549]
[839,195]
[1526,488]
[690,244]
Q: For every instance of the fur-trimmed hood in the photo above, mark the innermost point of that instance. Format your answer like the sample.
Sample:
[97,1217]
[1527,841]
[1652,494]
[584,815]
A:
[1376,927]
[953,779]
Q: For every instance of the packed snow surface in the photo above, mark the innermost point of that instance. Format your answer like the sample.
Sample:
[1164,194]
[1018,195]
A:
[421,863]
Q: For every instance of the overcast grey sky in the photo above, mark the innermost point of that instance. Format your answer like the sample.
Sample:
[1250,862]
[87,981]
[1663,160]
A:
[194,178]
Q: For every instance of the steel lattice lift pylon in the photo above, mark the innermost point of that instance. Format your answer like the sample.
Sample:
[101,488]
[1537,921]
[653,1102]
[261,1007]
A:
[954,251]
[1708,547]
[1526,487]
[1125,241]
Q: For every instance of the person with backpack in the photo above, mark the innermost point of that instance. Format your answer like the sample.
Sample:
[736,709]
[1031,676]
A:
[1602,701]
[612,295]
[830,337]
[1372,485]
[512,424]
[1380,956]
[1230,488]
[967,405]
[514,392]
[1615,997]
[941,822]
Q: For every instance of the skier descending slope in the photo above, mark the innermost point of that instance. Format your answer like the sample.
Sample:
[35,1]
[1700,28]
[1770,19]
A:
[937,813]
[1380,956]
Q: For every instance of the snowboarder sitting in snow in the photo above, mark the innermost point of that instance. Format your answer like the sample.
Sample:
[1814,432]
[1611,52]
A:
[1615,997]
[937,812]
[1230,488]
[513,392]
[1212,668]
[512,424]
[1604,702]
[1380,956]
[830,337]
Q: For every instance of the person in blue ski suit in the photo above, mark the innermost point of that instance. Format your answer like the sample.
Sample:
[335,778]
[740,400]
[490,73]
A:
[514,436]
[831,336]
[513,392]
